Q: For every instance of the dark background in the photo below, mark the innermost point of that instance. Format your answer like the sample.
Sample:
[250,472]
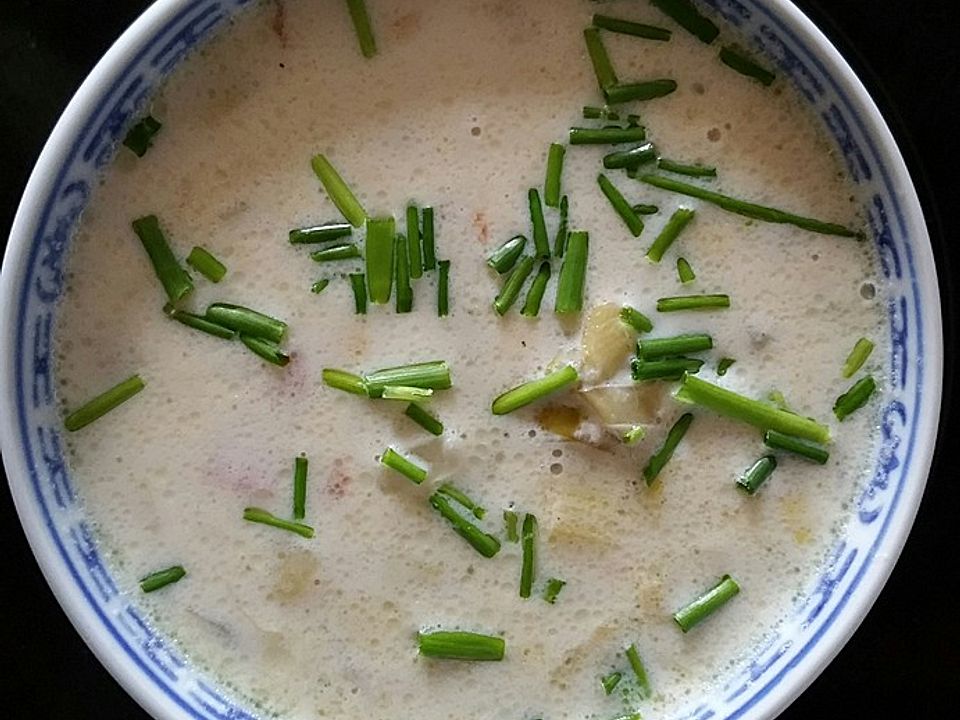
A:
[904,659]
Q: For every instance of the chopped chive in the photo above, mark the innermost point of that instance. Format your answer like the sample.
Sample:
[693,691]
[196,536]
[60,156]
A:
[443,288]
[780,441]
[434,375]
[733,58]
[653,348]
[342,380]
[645,209]
[299,487]
[754,412]
[747,209]
[424,419]
[705,605]
[635,319]
[359,286]
[161,578]
[596,113]
[648,90]
[626,27]
[259,515]
[755,475]
[531,307]
[667,369]
[638,670]
[663,454]
[634,435]
[551,186]
[265,349]
[381,234]
[684,272]
[319,286]
[103,403]
[485,544]
[340,251]
[777,398]
[510,526]
[689,18]
[458,645]
[620,205]
[633,120]
[206,264]
[724,365]
[404,301]
[607,135]
[534,390]
[175,280]
[140,137]
[634,157]
[513,284]
[602,66]
[854,398]
[339,192]
[528,544]
[361,23]
[404,392]
[560,241]
[410,470]
[454,493]
[540,243]
[429,240]
[246,321]
[610,682]
[552,589]
[414,247]
[857,357]
[675,225]
[505,257]
[690,169]
[573,274]
[692,302]
[198,322]
[320,233]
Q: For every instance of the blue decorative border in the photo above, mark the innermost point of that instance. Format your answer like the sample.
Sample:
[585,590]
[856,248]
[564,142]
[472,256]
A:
[39,422]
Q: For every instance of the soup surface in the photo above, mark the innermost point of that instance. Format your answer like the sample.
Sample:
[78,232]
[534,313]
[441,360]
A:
[457,111]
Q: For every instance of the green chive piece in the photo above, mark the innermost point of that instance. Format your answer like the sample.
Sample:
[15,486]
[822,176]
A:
[610,682]
[607,135]
[484,543]
[340,251]
[675,225]
[510,522]
[857,357]
[443,288]
[634,435]
[361,23]
[635,319]
[528,545]
[667,369]
[339,192]
[405,393]
[684,272]
[103,403]
[645,209]
[689,169]
[551,186]
[454,493]
[724,365]
[429,240]
[140,137]
[755,475]
[747,209]
[198,322]
[560,241]
[434,375]
[854,398]
[540,243]
[410,470]
[692,302]
[573,274]
[342,380]
[602,66]
[733,58]
[381,235]
[513,284]
[319,286]
[662,456]
[531,307]
[458,645]
[653,348]
[175,280]
[505,257]
[620,205]
[633,119]
[634,157]
[705,605]
[246,321]
[596,113]
[648,90]
[534,390]
[689,18]
[780,441]
[299,487]
[358,283]
[161,578]
[404,301]
[638,670]
[320,233]
[552,589]
[265,349]
[424,419]
[259,515]
[753,412]
[626,27]
[414,245]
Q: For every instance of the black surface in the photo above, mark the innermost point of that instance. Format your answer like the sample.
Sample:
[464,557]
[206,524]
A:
[904,659]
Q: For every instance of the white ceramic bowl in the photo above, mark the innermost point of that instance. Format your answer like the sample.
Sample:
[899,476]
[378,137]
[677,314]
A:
[151,669]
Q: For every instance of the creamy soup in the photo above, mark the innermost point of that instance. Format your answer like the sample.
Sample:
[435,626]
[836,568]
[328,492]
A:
[457,111]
